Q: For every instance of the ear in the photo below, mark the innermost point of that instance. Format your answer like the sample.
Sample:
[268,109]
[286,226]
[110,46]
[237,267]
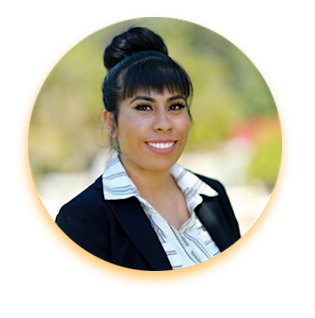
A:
[109,122]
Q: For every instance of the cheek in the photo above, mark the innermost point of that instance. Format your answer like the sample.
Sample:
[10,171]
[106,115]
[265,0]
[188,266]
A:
[129,128]
[185,126]
[186,131]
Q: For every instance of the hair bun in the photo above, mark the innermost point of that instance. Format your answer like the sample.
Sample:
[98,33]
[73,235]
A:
[131,41]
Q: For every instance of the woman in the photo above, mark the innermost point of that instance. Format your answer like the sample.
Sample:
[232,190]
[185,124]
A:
[146,212]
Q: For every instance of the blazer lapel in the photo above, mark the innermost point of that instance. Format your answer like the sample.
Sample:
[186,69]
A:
[210,214]
[137,226]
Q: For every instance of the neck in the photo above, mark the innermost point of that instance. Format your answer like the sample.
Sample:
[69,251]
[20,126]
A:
[150,183]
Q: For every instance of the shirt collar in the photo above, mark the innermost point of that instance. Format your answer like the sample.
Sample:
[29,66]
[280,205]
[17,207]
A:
[117,185]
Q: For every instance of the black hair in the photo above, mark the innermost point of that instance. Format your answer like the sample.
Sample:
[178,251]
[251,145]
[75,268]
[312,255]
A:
[137,59]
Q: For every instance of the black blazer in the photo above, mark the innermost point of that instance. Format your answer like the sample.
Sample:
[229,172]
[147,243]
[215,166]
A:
[118,231]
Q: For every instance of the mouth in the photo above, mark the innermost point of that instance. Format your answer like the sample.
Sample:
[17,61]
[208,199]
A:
[162,147]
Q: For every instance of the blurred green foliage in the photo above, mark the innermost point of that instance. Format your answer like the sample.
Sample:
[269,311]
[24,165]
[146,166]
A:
[265,162]
[66,130]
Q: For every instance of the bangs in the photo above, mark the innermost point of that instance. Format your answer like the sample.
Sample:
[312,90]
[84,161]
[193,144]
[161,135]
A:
[156,74]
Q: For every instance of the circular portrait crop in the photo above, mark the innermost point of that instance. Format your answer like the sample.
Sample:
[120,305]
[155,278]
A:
[154,144]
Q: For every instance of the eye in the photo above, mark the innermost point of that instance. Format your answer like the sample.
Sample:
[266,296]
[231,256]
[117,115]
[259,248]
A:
[177,106]
[143,107]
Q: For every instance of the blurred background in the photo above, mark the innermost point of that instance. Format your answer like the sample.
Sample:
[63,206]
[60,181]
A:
[235,137]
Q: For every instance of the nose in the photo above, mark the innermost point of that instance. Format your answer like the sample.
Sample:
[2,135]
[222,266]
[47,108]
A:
[162,122]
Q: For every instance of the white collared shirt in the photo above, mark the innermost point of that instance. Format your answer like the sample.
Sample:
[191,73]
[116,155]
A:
[189,245]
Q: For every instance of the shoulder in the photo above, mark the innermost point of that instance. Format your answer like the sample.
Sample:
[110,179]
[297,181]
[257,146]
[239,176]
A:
[90,196]
[89,205]
[217,186]
[213,183]
[88,220]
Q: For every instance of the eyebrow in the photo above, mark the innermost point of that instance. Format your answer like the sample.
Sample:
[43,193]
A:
[150,99]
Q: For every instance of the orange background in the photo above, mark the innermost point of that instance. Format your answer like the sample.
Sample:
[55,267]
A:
[47,259]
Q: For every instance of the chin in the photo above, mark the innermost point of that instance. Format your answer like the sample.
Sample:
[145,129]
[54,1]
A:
[162,164]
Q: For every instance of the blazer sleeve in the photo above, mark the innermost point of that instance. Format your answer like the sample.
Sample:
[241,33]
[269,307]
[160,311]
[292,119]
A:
[80,225]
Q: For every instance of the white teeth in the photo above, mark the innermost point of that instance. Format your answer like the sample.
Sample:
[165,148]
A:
[161,145]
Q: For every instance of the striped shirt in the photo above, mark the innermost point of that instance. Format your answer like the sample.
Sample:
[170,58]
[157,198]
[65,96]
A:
[189,245]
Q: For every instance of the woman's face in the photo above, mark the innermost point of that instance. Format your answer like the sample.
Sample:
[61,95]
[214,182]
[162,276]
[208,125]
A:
[152,130]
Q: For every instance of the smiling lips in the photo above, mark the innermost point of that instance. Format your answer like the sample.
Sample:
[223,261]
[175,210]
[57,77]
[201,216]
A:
[161,147]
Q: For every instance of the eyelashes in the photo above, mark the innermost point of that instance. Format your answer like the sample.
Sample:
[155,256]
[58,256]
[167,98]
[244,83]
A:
[177,106]
[172,107]
[143,107]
